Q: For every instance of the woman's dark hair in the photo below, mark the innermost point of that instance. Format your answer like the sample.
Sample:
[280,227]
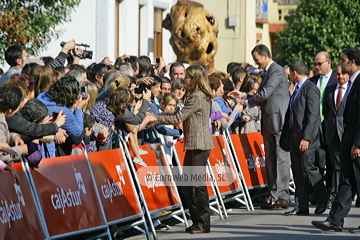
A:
[156,81]
[249,82]
[228,85]
[34,110]
[65,91]
[10,98]
[119,101]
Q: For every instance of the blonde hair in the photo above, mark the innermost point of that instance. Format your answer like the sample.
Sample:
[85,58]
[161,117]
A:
[198,74]
[166,99]
[119,81]
[92,91]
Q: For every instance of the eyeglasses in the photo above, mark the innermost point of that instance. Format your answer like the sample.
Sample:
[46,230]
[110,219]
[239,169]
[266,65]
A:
[319,63]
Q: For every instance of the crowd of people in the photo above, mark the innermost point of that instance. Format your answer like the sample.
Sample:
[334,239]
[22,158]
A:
[56,107]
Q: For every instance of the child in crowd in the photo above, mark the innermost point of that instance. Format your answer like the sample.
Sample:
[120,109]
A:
[179,90]
[34,111]
[118,103]
[89,122]
[168,104]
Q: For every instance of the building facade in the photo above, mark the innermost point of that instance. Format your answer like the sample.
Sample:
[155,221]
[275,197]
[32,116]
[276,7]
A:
[116,27]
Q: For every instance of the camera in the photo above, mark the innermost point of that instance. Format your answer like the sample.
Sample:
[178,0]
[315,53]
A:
[83,92]
[86,54]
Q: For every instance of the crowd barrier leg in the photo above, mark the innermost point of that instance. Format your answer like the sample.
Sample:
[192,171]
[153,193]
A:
[181,210]
[217,191]
[140,193]
[25,166]
[108,234]
[242,196]
[233,151]
[291,183]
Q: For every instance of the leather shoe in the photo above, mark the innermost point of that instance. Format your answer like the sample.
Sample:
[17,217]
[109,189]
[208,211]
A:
[199,229]
[326,226]
[188,229]
[281,203]
[297,212]
[320,209]
[357,203]
[355,230]
[267,204]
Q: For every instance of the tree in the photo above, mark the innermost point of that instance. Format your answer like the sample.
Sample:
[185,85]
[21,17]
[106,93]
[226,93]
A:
[32,23]
[318,25]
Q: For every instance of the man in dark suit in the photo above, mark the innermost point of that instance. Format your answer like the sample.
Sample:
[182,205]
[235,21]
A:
[324,80]
[302,131]
[273,97]
[350,144]
[333,109]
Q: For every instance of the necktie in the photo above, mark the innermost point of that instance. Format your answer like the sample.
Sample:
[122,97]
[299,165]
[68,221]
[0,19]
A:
[263,76]
[322,87]
[339,97]
[292,100]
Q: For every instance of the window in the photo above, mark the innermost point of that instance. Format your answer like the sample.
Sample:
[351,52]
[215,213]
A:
[158,18]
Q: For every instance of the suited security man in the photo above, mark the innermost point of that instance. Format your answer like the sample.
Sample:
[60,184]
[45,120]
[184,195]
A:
[324,80]
[350,144]
[273,98]
[302,133]
[333,109]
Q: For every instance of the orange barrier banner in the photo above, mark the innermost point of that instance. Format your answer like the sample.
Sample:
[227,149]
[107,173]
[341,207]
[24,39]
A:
[179,148]
[115,184]
[249,150]
[18,215]
[156,193]
[67,194]
[223,166]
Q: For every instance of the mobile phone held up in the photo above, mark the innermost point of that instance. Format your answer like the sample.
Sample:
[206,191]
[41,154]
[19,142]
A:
[55,115]
[83,92]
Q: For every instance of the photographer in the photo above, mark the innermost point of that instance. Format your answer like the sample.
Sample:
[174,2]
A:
[97,74]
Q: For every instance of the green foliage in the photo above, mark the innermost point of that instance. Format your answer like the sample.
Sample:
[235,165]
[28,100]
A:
[32,23]
[319,25]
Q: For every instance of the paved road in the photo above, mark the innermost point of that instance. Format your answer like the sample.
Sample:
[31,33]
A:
[265,224]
